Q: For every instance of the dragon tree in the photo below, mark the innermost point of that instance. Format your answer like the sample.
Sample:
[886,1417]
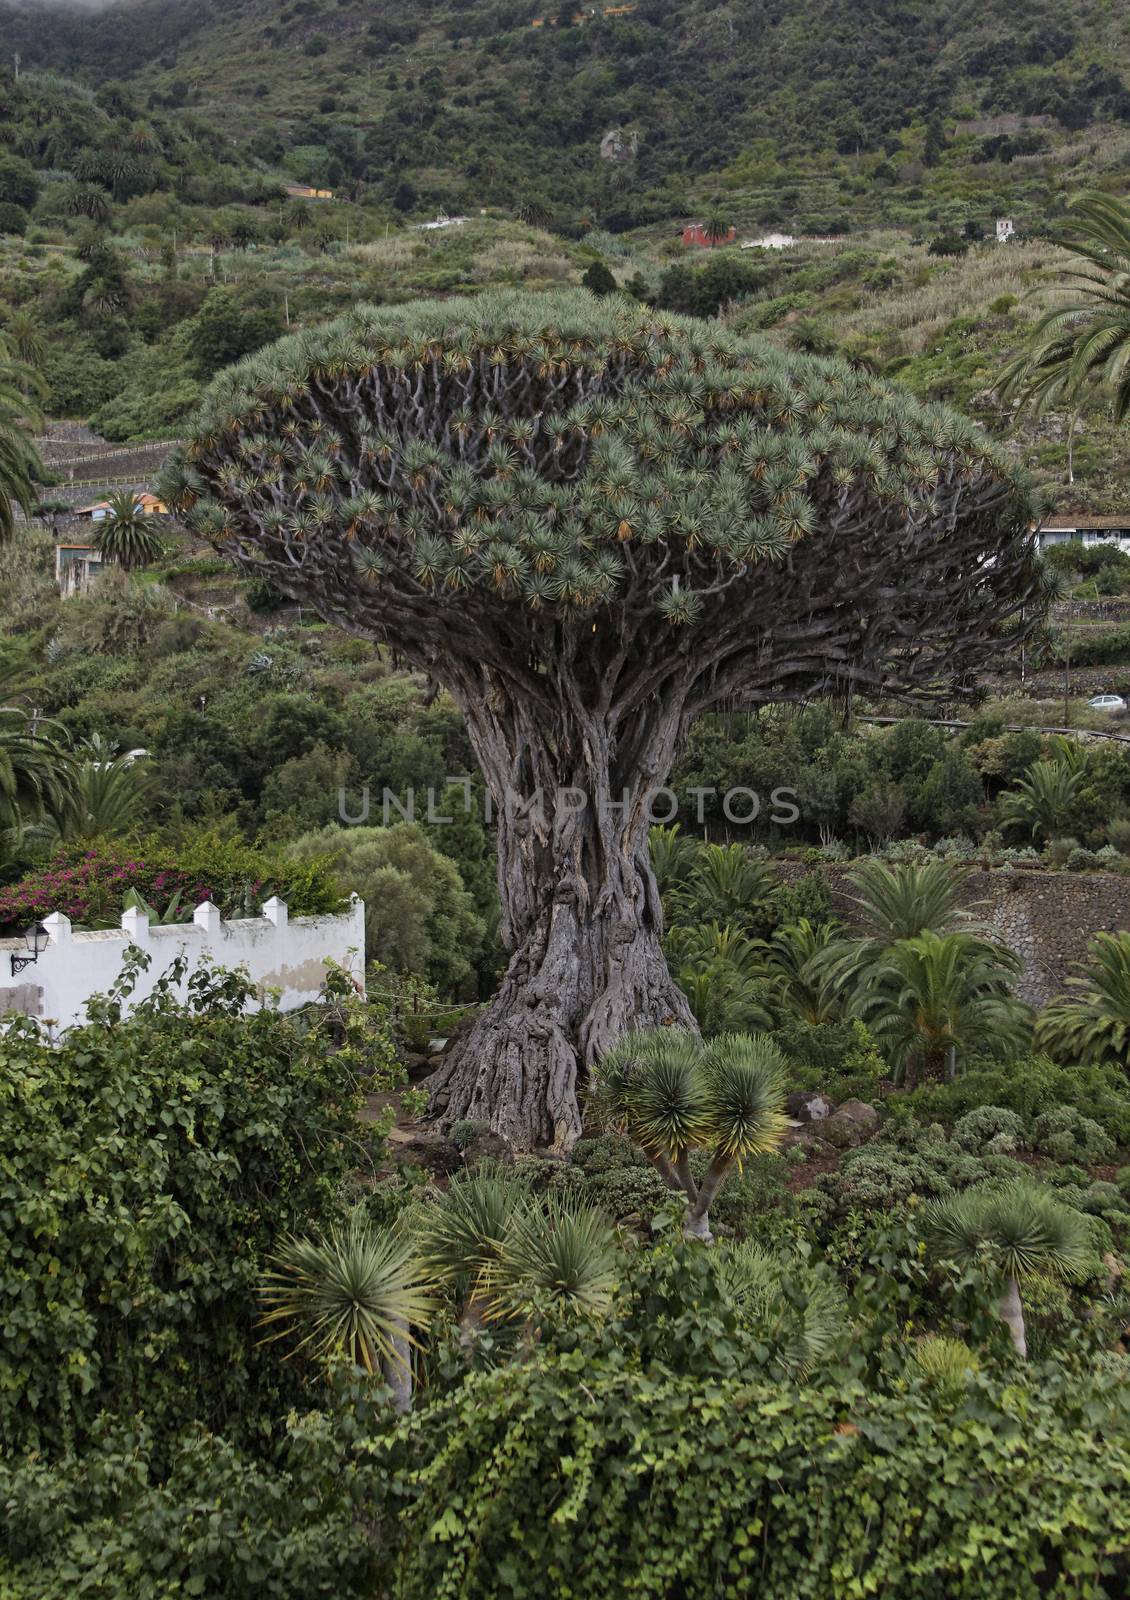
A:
[590,523]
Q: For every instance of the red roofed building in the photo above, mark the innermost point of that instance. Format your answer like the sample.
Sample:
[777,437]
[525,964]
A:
[695,233]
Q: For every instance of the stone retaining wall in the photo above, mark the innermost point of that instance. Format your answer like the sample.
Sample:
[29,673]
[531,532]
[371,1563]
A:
[1048,918]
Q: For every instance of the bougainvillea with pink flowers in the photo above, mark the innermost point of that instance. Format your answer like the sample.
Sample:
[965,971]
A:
[90,885]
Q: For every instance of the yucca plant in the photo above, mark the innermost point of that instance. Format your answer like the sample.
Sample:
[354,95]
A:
[1017,1230]
[355,1292]
[461,1238]
[672,1094]
[561,1258]
[1091,1022]
[654,506]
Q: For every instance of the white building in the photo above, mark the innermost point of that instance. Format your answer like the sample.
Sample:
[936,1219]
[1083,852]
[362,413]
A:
[286,955]
[1006,228]
[1087,530]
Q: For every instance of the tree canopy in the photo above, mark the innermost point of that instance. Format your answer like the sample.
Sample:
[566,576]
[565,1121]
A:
[591,522]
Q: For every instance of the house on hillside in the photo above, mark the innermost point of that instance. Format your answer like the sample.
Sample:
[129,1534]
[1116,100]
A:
[304,191]
[695,233]
[1006,229]
[1087,529]
[147,504]
[76,567]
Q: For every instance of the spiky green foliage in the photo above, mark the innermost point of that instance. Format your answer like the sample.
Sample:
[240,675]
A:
[20,467]
[745,1087]
[461,1238]
[727,886]
[671,1094]
[927,999]
[902,901]
[1084,339]
[561,1257]
[1021,1225]
[651,1088]
[561,459]
[354,1291]
[945,1365]
[798,962]
[1091,1022]
[127,535]
[38,776]
[111,792]
[1043,802]
[796,1309]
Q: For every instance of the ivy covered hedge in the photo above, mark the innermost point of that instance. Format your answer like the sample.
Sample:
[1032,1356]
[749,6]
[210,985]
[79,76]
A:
[557,1479]
[146,1169]
[89,884]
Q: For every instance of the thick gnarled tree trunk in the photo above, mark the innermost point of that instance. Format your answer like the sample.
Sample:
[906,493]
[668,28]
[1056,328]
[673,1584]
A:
[581,917]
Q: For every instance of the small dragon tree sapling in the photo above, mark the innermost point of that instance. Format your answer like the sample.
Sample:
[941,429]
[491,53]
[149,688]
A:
[1020,1228]
[672,1094]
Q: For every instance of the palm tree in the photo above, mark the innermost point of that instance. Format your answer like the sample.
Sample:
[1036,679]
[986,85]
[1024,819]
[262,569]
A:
[716,230]
[1088,339]
[727,885]
[672,1094]
[111,792]
[892,904]
[929,999]
[1043,802]
[1020,1229]
[355,1291]
[672,856]
[37,775]
[1092,1021]
[126,535]
[725,976]
[798,961]
[25,338]
[20,417]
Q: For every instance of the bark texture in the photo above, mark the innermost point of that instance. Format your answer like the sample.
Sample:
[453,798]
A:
[581,915]
[1012,1312]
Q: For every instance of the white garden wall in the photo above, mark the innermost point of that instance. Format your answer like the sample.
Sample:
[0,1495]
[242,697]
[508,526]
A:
[280,952]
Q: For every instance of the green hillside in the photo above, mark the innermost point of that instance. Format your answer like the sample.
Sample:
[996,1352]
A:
[833,114]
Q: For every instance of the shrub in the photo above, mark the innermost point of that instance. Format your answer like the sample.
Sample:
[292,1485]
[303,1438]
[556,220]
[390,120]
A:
[89,884]
[150,1165]
[992,1128]
[1028,1085]
[742,1480]
[1069,1136]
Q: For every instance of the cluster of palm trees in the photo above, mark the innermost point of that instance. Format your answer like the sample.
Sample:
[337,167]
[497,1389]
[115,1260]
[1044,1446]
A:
[54,790]
[919,971]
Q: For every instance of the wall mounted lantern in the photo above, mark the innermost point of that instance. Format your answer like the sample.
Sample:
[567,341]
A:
[36,939]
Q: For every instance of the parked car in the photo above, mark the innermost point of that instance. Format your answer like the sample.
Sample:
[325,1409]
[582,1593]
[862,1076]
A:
[1107,702]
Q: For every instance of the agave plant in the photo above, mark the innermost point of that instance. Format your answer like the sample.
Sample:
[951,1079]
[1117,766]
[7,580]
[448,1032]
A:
[1092,1021]
[1019,1229]
[355,1292]
[672,1094]
[795,1308]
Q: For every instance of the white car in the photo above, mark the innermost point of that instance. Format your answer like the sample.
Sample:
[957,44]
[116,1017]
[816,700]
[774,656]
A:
[1107,702]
